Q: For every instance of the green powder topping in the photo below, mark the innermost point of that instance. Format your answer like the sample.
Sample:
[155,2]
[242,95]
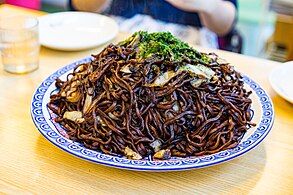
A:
[163,44]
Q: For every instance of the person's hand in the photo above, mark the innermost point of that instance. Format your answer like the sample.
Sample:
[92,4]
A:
[208,11]
[190,5]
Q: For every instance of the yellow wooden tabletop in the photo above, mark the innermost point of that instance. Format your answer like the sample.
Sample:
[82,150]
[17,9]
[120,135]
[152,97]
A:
[31,164]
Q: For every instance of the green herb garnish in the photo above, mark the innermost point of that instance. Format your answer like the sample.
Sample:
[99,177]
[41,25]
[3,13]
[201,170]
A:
[163,44]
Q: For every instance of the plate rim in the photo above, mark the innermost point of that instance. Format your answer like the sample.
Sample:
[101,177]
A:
[76,48]
[275,85]
[100,158]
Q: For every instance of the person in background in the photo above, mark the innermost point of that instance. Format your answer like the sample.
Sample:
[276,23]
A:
[184,16]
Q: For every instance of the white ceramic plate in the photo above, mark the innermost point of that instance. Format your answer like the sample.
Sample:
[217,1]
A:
[73,31]
[281,79]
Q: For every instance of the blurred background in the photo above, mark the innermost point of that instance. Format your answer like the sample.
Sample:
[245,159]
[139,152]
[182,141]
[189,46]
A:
[266,26]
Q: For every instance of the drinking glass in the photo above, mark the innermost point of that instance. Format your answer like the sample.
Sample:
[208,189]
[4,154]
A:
[19,43]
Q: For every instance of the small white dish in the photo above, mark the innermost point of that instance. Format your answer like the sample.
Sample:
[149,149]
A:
[281,79]
[74,31]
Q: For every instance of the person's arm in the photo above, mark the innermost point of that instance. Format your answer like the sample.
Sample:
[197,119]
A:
[90,5]
[216,15]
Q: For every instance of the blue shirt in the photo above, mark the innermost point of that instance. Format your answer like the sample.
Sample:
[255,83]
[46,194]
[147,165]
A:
[158,9]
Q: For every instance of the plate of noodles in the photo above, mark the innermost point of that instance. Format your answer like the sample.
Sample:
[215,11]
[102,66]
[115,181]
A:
[152,103]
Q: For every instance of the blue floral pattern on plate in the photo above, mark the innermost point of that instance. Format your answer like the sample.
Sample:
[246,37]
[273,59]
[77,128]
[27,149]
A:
[57,135]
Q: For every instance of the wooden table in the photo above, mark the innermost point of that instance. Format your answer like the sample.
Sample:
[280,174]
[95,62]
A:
[30,163]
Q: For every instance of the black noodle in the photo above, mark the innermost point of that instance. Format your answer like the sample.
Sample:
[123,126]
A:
[115,108]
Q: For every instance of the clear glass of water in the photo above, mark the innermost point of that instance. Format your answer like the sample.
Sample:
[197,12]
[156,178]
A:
[19,44]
